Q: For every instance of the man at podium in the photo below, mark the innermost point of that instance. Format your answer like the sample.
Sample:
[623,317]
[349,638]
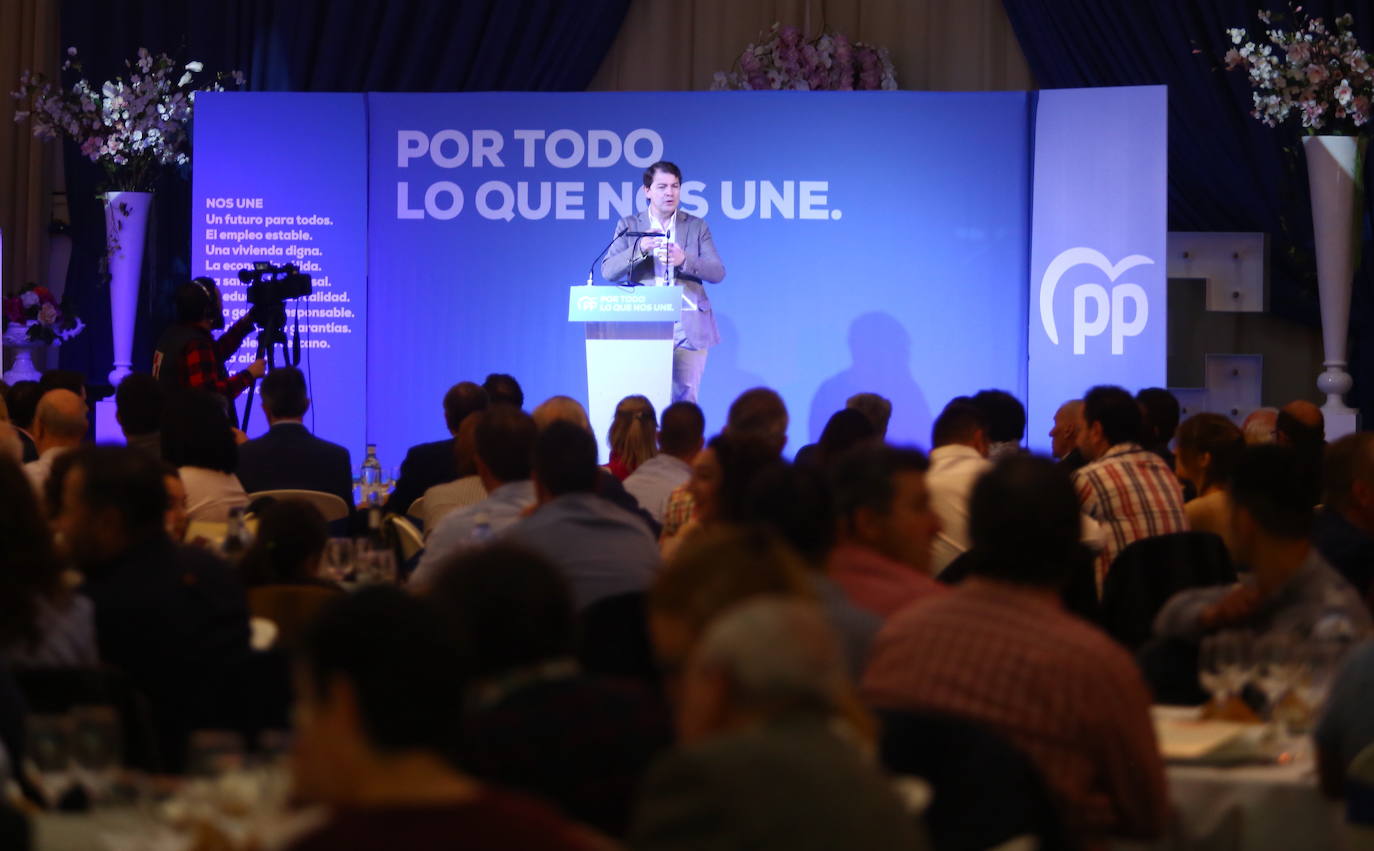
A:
[679,250]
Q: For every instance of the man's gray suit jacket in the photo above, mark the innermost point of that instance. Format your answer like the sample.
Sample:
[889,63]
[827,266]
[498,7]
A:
[624,261]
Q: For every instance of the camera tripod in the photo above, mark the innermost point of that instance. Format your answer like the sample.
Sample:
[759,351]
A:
[271,319]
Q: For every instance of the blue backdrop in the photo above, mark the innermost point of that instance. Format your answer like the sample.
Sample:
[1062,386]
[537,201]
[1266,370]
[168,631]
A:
[873,241]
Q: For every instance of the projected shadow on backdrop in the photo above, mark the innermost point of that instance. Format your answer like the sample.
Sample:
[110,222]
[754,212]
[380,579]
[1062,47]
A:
[880,349]
[724,378]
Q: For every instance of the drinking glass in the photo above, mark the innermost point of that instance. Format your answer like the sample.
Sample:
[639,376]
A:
[48,747]
[97,747]
[1213,666]
[339,557]
[376,565]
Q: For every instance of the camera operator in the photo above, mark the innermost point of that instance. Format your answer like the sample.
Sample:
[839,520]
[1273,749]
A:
[188,357]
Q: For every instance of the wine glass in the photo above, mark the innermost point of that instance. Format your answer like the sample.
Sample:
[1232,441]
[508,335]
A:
[47,740]
[97,748]
[1213,669]
[339,557]
[1275,658]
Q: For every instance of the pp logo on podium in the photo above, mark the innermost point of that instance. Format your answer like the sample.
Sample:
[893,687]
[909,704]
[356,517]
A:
[587,302]
[1107,308]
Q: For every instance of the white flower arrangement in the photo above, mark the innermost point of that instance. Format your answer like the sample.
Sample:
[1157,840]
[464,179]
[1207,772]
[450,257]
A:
[131,127]
[1324,77]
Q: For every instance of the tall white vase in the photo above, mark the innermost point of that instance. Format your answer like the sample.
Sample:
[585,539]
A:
[126,225]
[1335,176]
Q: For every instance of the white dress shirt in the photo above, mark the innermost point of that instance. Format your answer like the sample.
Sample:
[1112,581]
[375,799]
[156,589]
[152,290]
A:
[655,480]
[953,471]
[210,494]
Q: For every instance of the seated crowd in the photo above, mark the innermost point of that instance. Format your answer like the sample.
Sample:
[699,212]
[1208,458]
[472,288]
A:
[700,644]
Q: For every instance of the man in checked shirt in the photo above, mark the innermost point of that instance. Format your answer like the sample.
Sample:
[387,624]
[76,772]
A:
[188,357]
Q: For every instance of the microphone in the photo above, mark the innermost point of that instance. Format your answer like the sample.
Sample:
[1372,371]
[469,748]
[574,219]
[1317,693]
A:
[638,233]
[591,270]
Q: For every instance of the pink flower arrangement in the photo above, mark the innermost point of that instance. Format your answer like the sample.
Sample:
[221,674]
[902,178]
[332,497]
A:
[131,127]
[1323,76]
[33,316]
[784,59]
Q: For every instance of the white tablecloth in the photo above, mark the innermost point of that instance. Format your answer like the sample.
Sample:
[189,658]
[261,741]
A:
[1248,808]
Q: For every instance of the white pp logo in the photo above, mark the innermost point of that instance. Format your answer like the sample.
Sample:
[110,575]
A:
[586,302]
[1106,310]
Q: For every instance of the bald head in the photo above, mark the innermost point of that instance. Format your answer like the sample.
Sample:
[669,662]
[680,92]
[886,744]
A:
[1259,426]
[1304,412]
[561,408]
[60,420]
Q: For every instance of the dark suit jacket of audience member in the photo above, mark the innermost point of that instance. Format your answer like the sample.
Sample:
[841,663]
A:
[425,465]
[1347,549]
[176,621]
[288,456]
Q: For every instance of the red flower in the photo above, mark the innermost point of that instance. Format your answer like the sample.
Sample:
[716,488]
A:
[14,311]
[44,295]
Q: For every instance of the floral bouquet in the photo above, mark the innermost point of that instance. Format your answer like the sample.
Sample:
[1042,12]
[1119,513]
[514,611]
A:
[34,316]
[131,127]
[1324,76]
[783,59]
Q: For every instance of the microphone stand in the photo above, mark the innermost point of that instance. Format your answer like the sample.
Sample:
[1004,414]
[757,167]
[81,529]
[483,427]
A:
[591,270]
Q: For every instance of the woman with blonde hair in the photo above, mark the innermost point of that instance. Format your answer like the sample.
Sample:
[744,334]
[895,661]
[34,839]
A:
[633,437]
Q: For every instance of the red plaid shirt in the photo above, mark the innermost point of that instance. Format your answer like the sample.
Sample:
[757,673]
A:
[1057,688]
[1134,495]
[202,361]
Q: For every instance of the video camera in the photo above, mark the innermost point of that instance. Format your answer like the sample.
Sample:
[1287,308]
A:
[271,286]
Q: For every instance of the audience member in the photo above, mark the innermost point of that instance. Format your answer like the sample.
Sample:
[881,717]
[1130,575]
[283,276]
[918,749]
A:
[1261,426]
[1208,446]
[633,438]
[1124,487]
[288,456]
[430,464]
[22,398]
[138,409]
[608,487]
[795,502]
[1068,425]
[875,407]
[288,546]
[679,440]
[845,429]
[758,415]
[467,488]
[601,549]
[1300,425]
[1006,421]
[63,379]
[59,426]
[1347,726]
[1290,588]
[173,618]
[1000,650]
[198,439]
[886,525]
[534,722]
[10,446]
[1344,529]
[378,706]
[177,520]
[505,447]
[42,623]
[957,459]
[760,764]
[1160,411]
[503,389]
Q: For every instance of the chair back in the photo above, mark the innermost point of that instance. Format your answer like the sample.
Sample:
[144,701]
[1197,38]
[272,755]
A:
[1150,571]
[290,607]
[417,509]
[330,505]
[986,792]
[408,538]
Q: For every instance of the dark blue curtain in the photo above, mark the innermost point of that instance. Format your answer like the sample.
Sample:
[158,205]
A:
[304,45]
[1227,172]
